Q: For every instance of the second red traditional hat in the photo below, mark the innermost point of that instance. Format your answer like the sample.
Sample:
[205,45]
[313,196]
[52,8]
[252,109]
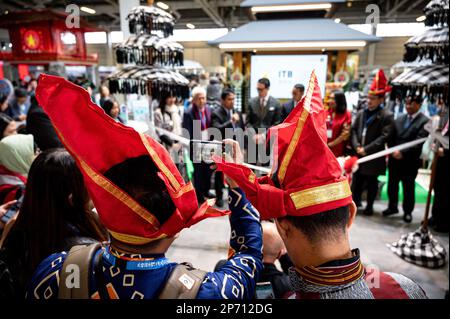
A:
[379,84]
[306,177]
[97,142]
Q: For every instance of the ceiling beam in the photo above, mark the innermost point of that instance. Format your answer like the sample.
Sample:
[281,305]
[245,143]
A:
[212,12]
[397,6]
[412,6]
[186,5]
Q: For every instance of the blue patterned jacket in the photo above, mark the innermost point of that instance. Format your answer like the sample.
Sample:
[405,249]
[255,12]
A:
[236,279]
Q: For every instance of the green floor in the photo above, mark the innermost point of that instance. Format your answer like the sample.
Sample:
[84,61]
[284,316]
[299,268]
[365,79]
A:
[421,193]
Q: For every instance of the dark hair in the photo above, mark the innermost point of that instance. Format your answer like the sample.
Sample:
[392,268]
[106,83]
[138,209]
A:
[327,225]
[4,122]
[3,98]
[108,104]
[341,102]
[225,93]
[299,87]
[138,178]
[265,81]
[416,98]
[54,212]
[19,92]
[162,101]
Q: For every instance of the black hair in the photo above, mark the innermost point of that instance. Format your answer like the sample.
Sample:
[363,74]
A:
[138,177]
[299,87]
[4,122]
[265,81]
[54,212]
[327,225]
[108,104]
[19,92]
[3,98]
[416,98]
[162,101]
[341,102]
[225,93]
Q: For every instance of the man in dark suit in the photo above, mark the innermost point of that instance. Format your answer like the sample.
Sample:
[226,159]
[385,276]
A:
[372,129]
[40,126]
[226,120]
[196,121]
[263,112]
[404,165]
[297,94]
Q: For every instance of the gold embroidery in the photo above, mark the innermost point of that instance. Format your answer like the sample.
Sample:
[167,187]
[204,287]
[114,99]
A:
[298,130]
[134,240]
[175,184]
[252,177]
[183,190]
[321,194]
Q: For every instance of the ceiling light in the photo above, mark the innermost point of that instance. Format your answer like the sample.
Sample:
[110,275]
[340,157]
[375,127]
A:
[337,20]
[294,45]
[190,26]
[421,18]
[292,7]
[162,5]
[87,10]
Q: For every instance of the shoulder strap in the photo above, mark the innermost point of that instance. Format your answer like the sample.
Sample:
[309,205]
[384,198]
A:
[183,283]
[80,255]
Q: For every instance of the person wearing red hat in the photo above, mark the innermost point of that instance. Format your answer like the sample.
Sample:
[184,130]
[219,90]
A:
[312,205]
[144,203]
[372,129]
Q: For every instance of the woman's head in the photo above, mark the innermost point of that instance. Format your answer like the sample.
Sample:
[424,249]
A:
[7,126]
[56,207]
[167,98]
[338,101]
[17,152]
[111,108]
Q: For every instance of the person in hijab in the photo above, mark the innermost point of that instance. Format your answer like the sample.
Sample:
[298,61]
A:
[17,152]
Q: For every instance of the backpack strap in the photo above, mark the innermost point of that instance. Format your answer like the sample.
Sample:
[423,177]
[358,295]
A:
[183,283]
[80,255]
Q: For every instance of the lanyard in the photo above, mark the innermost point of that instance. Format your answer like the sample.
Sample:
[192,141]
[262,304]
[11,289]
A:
[142,264]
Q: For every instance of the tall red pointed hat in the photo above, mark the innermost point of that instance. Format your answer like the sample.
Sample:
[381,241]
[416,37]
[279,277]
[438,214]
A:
[97,142]
[306,177]
[379,84]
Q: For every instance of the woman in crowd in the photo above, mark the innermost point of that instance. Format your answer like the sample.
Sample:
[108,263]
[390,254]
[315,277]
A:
[167,116]
[56,214]
[112,109]
[7,126]
[16,155]
[338,123]
[104,95]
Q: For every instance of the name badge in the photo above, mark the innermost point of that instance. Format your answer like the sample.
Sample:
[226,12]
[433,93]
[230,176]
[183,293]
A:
[329,133]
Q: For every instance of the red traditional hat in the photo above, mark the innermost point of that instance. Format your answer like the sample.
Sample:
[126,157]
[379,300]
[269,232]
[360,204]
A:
[97,142]
[379,84]
[306,178]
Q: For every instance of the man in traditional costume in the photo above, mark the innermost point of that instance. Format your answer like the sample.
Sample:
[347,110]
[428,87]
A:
[312,205]
[144,203]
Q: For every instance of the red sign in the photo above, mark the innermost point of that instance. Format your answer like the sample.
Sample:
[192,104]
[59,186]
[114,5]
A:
[31,40]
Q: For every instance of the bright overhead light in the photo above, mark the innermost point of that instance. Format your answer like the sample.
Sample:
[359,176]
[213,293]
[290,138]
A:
[190,26]
[337,20]
[421,18]
[162,5]
[293,45]
[88,10]
[292,7]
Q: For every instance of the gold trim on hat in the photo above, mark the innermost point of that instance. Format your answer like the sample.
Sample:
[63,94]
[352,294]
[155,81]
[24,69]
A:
[321,194]
[298,130]
[175,184]
[134,240]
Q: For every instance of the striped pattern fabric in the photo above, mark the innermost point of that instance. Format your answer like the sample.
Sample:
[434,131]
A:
[433,37]
[436,75]
[432,44]
[436,12]
[149,49]
[420,248]
[145,19]
[148,80]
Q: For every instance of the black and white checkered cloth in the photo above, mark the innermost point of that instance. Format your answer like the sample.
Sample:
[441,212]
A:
[431,37]
[436,13]
[432,44]
[146,19]
[149,49]
[420,248]
[429,75]
[148,80]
